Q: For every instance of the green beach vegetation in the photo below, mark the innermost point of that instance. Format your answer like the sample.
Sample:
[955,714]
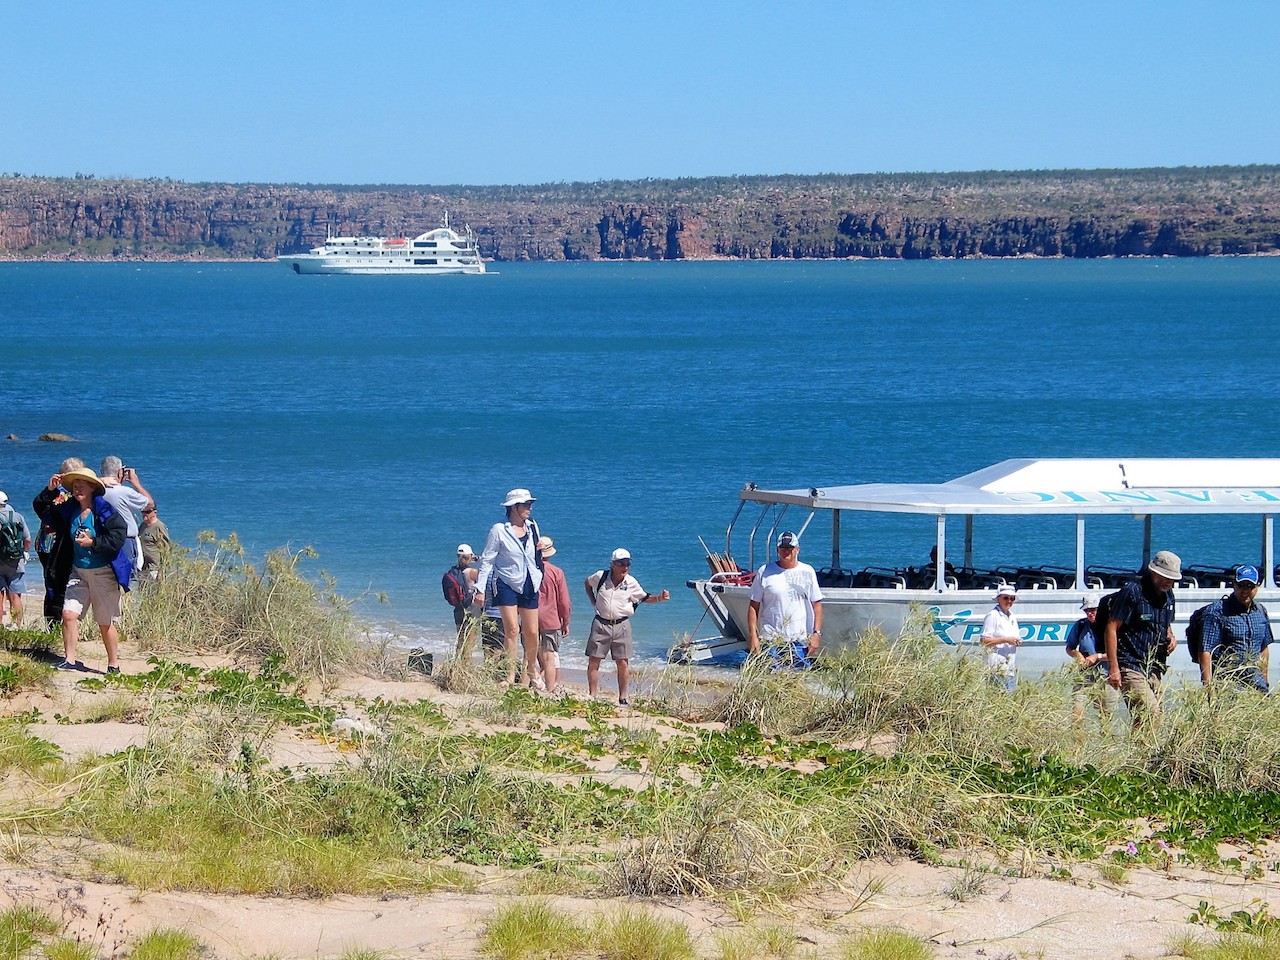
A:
[750,792]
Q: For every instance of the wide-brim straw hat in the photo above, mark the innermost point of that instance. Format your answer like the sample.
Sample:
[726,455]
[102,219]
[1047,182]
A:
[547,546]
[83,473]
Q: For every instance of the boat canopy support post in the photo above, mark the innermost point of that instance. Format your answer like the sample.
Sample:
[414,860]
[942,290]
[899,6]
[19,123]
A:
[1268,550]
[835,539]
[940,565]
[1079,552]
[728,533]
[968,541]
[805,526]
[751,544]
[1146,540]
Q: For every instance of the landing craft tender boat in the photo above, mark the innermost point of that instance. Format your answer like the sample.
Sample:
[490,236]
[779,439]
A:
[954,602]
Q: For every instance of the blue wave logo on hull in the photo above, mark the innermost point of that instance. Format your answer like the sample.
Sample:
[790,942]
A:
[940,629]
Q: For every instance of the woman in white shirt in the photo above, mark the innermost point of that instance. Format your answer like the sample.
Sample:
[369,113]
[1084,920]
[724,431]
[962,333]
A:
[510,556]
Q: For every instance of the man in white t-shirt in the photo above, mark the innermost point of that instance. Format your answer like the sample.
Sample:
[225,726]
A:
[786,603]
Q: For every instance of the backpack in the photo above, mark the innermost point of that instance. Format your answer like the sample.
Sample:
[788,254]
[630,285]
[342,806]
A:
[1103,616]
[1195,633]
[11,545]
[456,587]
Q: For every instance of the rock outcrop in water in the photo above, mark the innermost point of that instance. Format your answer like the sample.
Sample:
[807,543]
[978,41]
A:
[1181,212]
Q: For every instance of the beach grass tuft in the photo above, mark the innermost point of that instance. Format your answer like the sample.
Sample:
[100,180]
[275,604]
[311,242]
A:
[630,933]
[730,836]
[883,943]
[28,640]
[211,598]
[767,942]
[778,701]
[21,673]
[19,750]
[532,930]
[22,928]
[65,948]
[165,944]
[1231,946]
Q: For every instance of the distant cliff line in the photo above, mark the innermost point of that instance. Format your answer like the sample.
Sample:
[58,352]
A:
[1178,211]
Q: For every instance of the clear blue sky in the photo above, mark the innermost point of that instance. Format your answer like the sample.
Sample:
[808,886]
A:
[405,91]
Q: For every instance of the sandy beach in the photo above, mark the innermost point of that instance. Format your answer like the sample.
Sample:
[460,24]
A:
[1079,915]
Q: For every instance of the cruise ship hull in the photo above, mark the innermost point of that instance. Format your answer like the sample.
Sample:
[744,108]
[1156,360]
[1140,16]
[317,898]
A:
[309,264]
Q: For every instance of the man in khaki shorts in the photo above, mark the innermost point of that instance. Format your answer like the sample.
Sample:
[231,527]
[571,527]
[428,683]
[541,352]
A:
[615,595]
[1139,636]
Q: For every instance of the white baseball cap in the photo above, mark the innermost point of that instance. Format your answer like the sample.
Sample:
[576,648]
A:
[620,554]
[464,550]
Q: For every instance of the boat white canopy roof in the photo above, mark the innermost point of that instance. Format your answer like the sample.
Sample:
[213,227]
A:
[1086,486]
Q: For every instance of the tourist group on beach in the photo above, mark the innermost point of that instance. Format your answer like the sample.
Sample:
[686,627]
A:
[518,602]
[98,536]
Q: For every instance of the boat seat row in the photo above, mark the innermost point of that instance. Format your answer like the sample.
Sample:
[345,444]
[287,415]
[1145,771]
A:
[1097,578]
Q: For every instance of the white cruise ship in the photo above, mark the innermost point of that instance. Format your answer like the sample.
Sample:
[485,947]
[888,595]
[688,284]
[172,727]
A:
[441,250]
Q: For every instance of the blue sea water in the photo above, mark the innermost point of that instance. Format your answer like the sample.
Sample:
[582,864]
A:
[382,420]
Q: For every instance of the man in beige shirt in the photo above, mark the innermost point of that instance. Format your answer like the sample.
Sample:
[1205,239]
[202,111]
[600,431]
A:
[614,595]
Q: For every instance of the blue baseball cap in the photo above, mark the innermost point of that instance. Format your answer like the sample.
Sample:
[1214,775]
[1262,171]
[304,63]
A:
[1247,573]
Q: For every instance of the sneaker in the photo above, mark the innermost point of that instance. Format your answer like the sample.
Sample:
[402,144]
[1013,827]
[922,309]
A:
[537,684]
[113,669]
[67,665]
[624,703]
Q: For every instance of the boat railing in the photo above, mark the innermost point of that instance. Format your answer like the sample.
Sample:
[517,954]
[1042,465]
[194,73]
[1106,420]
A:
[835,577]
[1107,578]
[1207,578]
[736,577]
[880,578]
[971,578]
[726,571]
